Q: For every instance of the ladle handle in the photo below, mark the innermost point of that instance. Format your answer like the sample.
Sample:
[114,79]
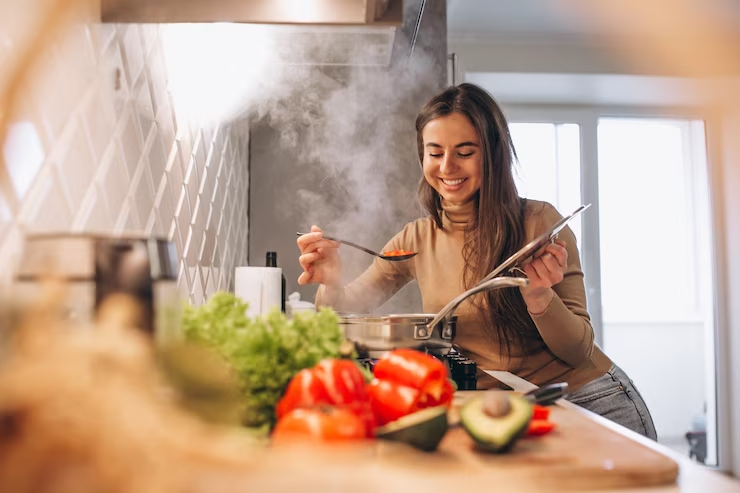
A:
[498,282]
[348,243]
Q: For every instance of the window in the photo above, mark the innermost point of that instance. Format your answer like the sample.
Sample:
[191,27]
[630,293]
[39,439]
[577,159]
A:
[647,221]
[653,265]
[550,165]
[656,274]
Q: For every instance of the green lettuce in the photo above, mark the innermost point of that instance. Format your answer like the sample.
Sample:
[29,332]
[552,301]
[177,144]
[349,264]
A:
[264,352]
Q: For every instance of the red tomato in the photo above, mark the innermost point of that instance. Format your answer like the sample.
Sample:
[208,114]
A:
[391,400]
[304,390]
[325,423]
[539,427]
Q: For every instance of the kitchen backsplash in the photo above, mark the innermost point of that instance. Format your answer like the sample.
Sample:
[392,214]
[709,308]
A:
[97,146]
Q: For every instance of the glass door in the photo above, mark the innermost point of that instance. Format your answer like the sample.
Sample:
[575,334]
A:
[647,250]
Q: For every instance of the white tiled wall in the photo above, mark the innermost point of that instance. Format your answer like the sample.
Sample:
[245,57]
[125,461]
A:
[95,145]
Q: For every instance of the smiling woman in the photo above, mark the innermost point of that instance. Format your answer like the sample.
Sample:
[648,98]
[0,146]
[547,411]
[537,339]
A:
[476,220]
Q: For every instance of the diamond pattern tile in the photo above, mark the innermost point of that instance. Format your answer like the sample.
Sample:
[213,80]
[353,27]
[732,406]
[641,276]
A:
[52,211]
[165,125]
[128,220]
[191,182]
[114,180]
[111,155]
[77,168]
[163,203]
[156,157]
[158,77]
[93,214]
[131,142]
[185,145]
[132,50]
[144,105]
[143,191]
[98,120]
[200,149]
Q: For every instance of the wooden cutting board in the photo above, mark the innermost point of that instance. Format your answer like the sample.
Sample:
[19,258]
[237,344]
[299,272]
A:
[579,455]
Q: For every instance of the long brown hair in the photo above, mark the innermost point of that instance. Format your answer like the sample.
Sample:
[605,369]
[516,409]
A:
[497,227]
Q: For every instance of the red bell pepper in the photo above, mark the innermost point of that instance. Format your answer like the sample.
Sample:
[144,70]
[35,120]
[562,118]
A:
[539,427]
[346,386]
[325,423]
[304,390]
[405,381]
[414,369]
[444,397]
[540,412]
[391,400]
[343,380]
[333,382]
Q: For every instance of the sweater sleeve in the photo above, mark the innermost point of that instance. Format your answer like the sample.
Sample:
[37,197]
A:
[379,282]
[565,326]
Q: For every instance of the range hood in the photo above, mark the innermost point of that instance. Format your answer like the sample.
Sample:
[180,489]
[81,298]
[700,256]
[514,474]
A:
[311,12]
[304,32]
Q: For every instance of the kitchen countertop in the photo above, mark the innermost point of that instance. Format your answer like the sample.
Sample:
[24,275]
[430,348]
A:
[692,478]
[392,467]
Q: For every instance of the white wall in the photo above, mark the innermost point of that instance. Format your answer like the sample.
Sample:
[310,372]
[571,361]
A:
[100,147]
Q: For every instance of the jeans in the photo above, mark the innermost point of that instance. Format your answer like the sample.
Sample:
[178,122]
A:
[615,397]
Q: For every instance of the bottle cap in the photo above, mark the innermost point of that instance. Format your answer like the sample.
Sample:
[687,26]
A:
[271,259]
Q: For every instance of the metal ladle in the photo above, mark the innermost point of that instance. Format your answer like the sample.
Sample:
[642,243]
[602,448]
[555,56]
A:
[390,258]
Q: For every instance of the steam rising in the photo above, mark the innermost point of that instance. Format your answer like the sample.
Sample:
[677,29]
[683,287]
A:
[344,116]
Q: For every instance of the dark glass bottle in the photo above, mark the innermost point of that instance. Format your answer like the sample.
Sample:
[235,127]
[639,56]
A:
[271,261]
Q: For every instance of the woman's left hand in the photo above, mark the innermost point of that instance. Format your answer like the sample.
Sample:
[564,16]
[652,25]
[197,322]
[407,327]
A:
[544,272]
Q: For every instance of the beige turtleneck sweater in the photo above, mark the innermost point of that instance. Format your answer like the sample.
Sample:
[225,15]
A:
[565,350]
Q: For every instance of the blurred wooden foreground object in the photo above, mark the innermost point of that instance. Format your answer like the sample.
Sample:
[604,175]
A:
[87,410]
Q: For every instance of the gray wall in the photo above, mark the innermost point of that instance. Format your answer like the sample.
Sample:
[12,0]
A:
[338,150]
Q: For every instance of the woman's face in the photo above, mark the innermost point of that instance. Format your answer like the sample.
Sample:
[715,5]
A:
[452,157]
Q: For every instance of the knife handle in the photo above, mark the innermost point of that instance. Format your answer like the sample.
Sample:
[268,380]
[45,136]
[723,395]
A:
[544,396]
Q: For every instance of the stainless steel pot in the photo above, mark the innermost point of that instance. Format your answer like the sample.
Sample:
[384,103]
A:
[375,335]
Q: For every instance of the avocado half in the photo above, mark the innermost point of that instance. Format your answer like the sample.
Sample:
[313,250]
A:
[423,429]
[496,434]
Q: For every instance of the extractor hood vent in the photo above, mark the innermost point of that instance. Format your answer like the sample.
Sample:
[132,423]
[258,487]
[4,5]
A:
[316,12]
[319,45]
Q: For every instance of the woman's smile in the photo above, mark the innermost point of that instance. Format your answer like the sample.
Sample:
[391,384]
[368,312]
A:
[452,185]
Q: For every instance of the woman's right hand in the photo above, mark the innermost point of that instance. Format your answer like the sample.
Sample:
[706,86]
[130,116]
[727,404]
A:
[319,259]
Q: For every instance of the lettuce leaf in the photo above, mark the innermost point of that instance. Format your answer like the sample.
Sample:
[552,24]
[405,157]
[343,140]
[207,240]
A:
[265,351]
